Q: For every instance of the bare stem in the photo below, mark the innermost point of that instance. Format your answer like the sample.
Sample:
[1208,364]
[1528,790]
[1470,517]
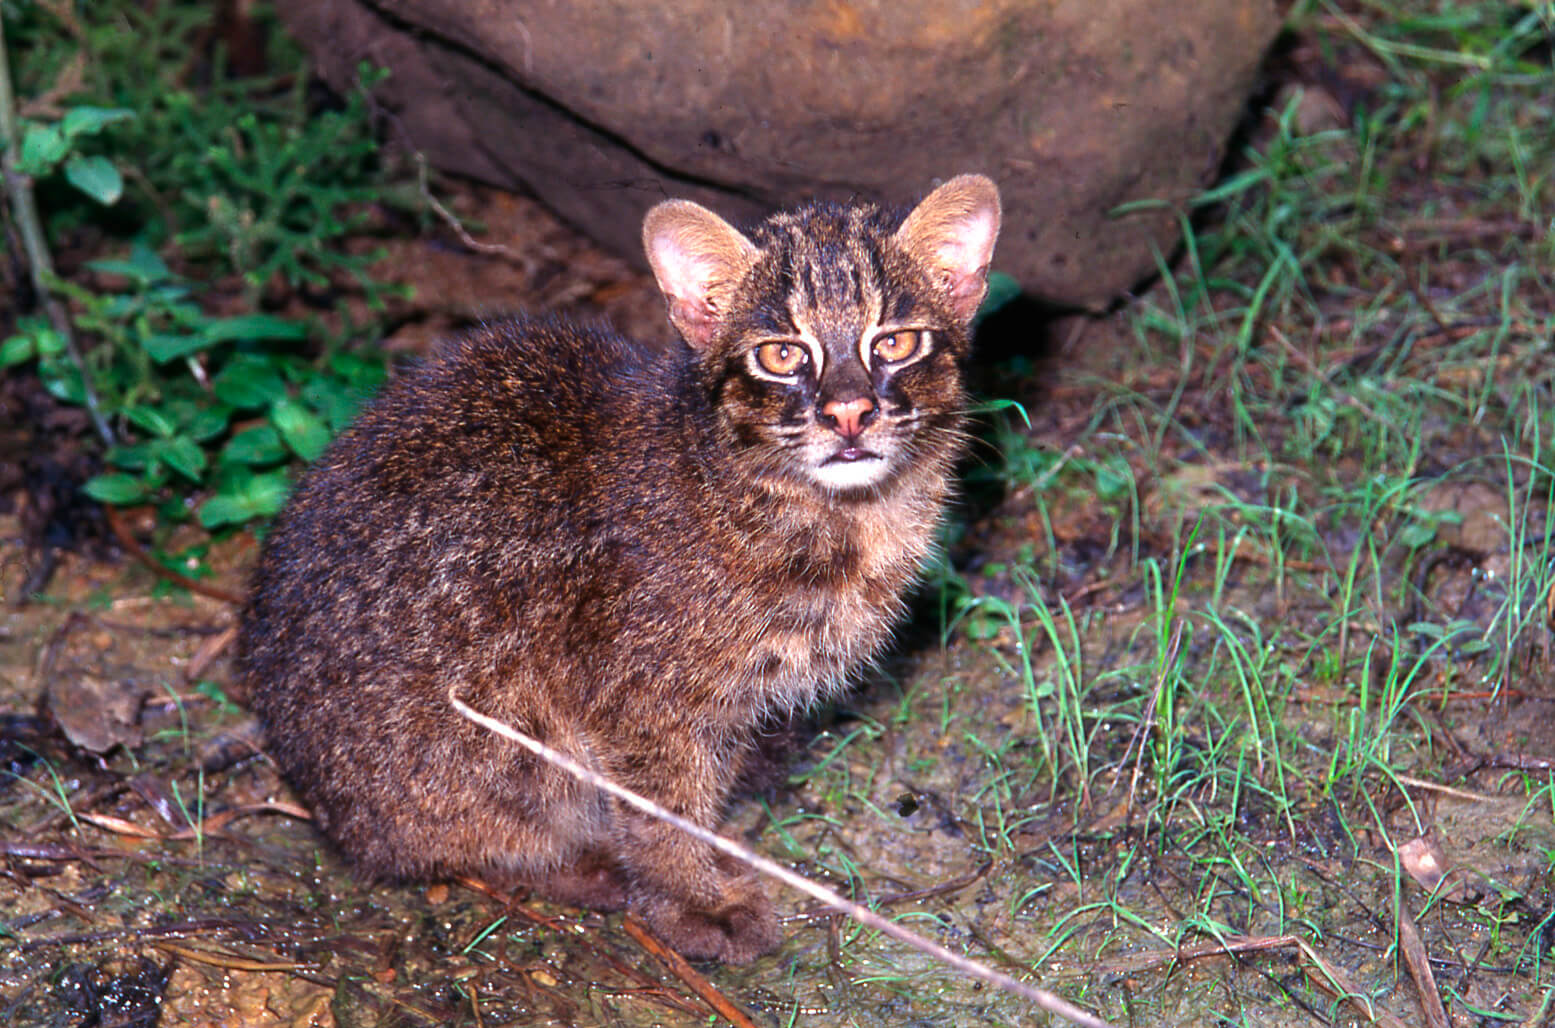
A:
[863,915]
[19,188]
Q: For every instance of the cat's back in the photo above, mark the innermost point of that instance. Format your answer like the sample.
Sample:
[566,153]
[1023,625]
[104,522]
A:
[540,401]
[532,419]
[513,453]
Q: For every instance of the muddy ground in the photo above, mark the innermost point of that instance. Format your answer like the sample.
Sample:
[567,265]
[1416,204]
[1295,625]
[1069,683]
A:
[1146,741]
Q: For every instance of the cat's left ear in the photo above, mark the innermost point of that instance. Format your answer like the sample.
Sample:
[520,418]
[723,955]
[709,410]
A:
[699,260]
[951,233]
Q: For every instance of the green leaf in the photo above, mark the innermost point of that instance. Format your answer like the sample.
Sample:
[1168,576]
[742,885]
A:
[117,488]
[96,177]
[135,456]
[253,326]
[36,336]
[43,146]
[213,692]
[338,401]
[365,374]
[152,420]
[164,346]
[258,445]
[50,343]
[208,422]
[249,381]
[63,382]
[143,266]
[223,509]
[17,350]
[245,498]
[982,626]
[184,456]
[303,430]
[1416,534]
[1110,485]
[1001,290]
[87,120]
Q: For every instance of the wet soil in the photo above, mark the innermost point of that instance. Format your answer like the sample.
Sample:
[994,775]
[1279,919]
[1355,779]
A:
[156,870]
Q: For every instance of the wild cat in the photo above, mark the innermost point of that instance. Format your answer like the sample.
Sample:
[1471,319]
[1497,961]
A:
[635,556]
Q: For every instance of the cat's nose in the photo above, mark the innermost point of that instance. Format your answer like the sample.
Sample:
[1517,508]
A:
[849,417]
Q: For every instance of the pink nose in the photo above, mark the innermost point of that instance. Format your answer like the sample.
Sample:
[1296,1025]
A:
[849,415]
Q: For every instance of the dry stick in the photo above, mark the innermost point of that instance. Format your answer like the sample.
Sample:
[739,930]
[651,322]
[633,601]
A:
[452,220]
[127,539]
[1446,790]
[209,650]
[1419,965]
[863,915]
[226,960]
[686,973]
[41,265]
[475,1004]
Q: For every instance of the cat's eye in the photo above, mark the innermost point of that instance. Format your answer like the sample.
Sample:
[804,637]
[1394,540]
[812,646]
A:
[781,358]
[900,346]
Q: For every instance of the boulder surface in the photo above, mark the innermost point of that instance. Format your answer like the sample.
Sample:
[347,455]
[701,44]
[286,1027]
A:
[602,108]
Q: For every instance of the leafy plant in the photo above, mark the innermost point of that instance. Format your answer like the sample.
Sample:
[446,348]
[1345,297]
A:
[51,145]
[212,402]
[246,177]
[273,191]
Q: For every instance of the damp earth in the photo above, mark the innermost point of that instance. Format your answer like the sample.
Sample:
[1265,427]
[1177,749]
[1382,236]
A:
[1230,701]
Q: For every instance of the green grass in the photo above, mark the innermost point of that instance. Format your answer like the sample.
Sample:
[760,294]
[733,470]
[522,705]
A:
[1321,563]
[1253,574]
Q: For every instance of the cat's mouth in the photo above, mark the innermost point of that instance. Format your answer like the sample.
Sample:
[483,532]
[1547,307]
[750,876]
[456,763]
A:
[852,467]
[850,454]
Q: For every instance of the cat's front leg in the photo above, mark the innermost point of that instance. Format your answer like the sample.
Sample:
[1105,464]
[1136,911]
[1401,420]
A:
[703,903]
[706,905]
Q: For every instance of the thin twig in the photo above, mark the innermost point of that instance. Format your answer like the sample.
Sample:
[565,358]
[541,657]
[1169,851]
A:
[1419,965]
[127,539]
[1446,790]
[226,960]
[452,220]
[721,1004]
[41,265]
[863,915]
[209,650]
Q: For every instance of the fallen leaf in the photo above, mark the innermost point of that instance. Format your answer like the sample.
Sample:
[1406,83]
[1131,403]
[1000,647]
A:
[96,713]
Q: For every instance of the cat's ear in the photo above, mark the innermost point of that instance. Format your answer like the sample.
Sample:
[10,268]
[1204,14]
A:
[699,260]
[951,233]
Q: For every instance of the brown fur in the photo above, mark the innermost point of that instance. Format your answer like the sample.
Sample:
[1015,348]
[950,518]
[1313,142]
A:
[627,554]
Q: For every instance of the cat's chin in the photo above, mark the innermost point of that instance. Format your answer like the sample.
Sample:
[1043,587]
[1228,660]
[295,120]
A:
[851,475]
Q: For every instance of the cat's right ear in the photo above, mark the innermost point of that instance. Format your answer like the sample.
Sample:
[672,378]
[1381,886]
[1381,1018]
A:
[699,260]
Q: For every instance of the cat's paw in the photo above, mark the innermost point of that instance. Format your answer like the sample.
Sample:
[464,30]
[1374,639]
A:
[597,887]
[593,880]
[741,928]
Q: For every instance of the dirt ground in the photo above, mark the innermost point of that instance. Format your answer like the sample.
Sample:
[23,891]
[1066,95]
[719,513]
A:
[1146,741]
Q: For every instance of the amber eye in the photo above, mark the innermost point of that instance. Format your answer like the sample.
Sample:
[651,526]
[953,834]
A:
[899,346]
[781,358]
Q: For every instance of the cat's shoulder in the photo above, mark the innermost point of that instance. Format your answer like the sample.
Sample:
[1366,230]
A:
[547,345]
[540,363]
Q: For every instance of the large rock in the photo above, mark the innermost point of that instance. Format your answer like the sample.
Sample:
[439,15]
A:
[603,107]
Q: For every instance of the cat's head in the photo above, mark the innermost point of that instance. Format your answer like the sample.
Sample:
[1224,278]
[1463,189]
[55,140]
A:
[830,337]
